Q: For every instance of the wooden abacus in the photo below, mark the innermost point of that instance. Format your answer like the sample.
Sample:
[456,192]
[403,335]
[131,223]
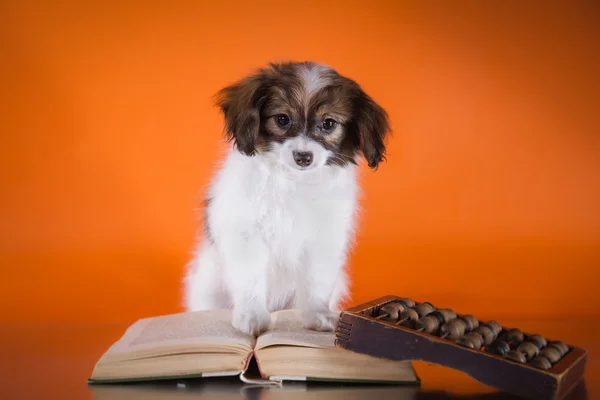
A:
[527,365]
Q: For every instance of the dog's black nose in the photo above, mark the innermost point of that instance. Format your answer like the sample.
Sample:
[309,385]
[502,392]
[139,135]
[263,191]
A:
[303,158]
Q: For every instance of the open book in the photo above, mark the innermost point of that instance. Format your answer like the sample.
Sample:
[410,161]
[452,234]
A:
[204,344]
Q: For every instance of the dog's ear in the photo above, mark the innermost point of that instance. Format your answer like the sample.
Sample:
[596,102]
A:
[241,104]
[372,124]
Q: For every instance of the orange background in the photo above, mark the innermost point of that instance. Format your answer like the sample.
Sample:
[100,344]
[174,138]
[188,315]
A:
[488,203]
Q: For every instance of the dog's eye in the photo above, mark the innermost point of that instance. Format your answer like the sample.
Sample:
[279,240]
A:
[282,120]
[329,124]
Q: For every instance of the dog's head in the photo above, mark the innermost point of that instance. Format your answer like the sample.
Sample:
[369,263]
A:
[305,115]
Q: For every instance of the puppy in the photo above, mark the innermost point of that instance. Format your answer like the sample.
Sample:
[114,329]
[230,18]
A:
[280,212]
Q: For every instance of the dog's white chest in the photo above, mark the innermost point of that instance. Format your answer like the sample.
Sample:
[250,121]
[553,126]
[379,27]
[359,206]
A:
[286,214]
[283,215]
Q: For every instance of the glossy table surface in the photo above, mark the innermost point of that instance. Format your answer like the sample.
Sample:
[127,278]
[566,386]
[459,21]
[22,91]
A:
[45,361]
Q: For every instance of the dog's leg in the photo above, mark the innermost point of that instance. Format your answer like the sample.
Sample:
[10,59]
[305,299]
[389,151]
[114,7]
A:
[322,285]
[246,261]
[340,292]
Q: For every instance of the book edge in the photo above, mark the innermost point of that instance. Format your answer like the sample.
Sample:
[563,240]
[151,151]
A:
[282,378]
[95,381]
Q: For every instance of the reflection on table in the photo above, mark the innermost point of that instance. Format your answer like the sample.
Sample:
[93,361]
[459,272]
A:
[232,388]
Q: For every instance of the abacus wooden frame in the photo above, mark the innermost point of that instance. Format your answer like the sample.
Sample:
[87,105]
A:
[359,331]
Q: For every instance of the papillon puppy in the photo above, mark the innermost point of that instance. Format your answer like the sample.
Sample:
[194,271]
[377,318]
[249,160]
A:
[281,211]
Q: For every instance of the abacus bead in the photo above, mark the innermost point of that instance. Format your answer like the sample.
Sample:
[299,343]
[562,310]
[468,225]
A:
[393,310]
[466,343]
[541,363]
[477,341]
[495,326]
[529,349]
[410,303]
[424,308]
[448,325]
[411,314]
[453,329]
[382,312]
[427,324]
[561,346]
[551,353]
[456,331]
[539,339]
[514,335]
[472,340]
[499,347]
[447,313]
[516,356]
[474,322]
[487,334]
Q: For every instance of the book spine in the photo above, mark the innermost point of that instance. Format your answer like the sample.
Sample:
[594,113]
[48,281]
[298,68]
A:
[263,379]
[260,371]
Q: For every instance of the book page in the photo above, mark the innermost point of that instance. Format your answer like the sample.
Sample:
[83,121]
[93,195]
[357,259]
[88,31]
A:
[198,327]
[286,329]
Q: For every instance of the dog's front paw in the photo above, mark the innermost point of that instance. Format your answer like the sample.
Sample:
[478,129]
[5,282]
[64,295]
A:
[320,321]
[251,322]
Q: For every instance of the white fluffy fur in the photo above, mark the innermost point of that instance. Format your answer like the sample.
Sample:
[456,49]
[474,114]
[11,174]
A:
[278,239]
[278,230]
